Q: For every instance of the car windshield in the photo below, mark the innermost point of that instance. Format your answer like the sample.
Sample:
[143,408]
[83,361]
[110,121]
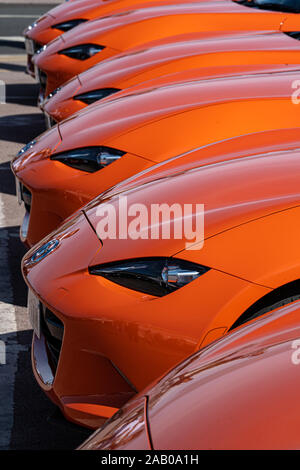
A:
[292,6]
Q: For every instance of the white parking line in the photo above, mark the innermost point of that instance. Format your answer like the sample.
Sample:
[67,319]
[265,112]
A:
[12,38]
[8,336]
[14,57]
[17,16]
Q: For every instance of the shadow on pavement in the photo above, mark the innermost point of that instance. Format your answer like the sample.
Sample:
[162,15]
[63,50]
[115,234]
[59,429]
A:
[12,43]
[10,237]
[12,67]
[21,128]
[38,424]
[26,95]
[7,180]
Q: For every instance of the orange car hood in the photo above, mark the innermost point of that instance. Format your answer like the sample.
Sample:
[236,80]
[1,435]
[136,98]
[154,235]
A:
[44,146]
[233,192]
[88,10]
[94,9]
[113,30]
[257,144]
[122,68]
[137,121]
[229,395]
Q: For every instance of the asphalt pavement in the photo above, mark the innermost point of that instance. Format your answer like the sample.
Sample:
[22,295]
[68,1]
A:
[14,18]
[28,421]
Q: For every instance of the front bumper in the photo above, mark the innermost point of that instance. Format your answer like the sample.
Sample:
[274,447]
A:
[62,104]
[36,36]
[40,216]
[49,121]
[24,196]
[31,47]
[69,358]
[78,402]
[42,79]
[31,232]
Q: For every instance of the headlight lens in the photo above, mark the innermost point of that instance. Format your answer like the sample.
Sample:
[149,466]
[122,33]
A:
[154,276]
[32,26]
[67,25]
[41,49]
[82,52]
[89,159]
[95,95]
[26,148]
[53,93]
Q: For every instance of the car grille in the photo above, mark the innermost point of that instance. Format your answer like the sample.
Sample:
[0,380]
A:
[26,197]
[53,331]
[50,122]
[43,80]
[37,46]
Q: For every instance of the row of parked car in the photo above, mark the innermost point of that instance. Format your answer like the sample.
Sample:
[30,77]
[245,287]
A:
[165,115]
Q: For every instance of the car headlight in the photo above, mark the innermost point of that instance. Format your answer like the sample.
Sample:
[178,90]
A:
[41,49]
[26,148]
[82,52]
[32,26]
[67,25]
[89,159]
[95,95]
[154,276]
[53,93]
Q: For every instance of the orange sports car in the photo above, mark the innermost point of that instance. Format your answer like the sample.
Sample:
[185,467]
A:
[224,55]
[90,43]
[65,17]
[108,142]
[119,276]
[240,393]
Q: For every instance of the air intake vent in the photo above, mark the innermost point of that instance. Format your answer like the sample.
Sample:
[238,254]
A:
[53,331]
